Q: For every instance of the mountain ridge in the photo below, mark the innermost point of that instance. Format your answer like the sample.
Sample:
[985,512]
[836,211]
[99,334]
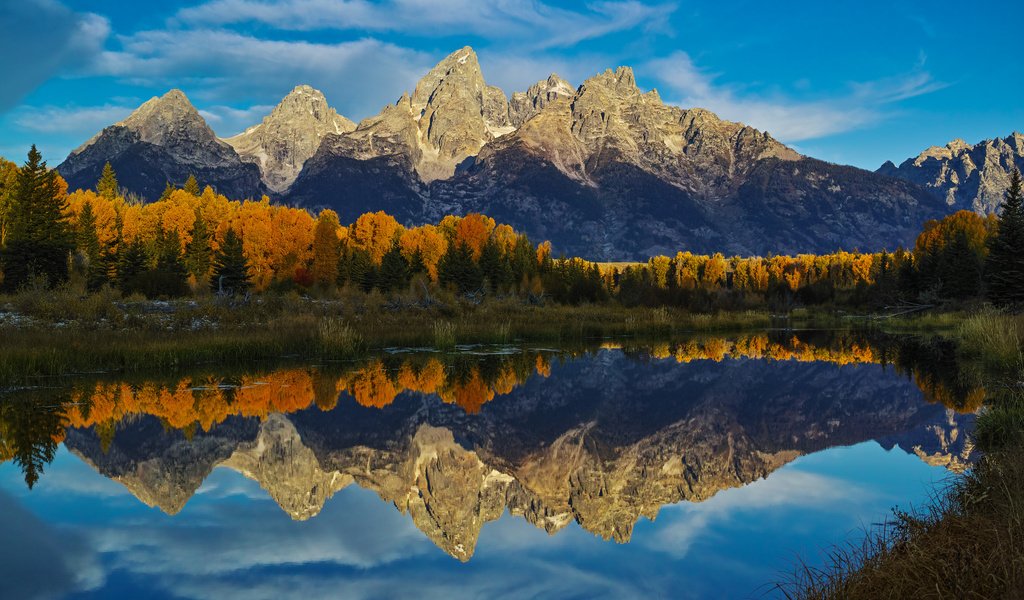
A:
[604,170]
[966,176]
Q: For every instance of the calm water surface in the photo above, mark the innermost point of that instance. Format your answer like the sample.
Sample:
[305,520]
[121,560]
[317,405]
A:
[697,469]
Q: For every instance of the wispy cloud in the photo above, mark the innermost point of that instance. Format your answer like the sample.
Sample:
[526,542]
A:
[227,120]
[790,120]
[70,119]
[533,23]
[227,67]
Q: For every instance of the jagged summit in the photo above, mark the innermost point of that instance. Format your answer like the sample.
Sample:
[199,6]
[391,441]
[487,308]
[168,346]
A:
[289,135]
[966,176]
[524,105]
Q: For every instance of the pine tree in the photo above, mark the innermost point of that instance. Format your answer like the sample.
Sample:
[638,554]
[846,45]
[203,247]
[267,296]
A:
[88,243]
[198,253]
[496,269]
[192,186]
[361,270]
[961,269]
[457,268]
[416,264]
[170,278]
[1004,268]
[168,190]
[394,271]
[230,267]
[107,185]
[39,239]
[132,265]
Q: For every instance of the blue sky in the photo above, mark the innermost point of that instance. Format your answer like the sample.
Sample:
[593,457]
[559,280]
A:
[849,82]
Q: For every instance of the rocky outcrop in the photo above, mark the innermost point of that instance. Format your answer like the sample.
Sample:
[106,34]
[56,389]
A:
[164,140]
[967,177]
[524,105]
[289,136]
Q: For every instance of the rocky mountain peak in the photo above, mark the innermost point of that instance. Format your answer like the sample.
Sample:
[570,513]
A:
[459,67]
[524,105]
[621,82]
[289,135]
[967,176]
[170,118]
[163,141]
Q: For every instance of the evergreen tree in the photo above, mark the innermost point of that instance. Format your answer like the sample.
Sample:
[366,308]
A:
[458,269]
[32,425]
[168,190]
[170,277]
[107,185]
[961,269]
[192,186]
[394,271]
[495,268]
[39,238]
[132,265]
[1004,269]
[416,264]
[88,243]
[361,270]
[198,252]
[230,267]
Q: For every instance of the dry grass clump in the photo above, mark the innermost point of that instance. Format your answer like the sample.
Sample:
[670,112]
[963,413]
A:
[968,544]
[994,338]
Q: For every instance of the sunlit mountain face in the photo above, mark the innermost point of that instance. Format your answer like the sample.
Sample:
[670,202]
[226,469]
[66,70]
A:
[590,444]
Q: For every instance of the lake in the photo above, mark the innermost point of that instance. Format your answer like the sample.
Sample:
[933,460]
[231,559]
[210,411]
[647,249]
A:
[697,468]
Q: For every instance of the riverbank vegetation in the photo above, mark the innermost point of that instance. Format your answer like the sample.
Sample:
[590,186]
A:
[969,541]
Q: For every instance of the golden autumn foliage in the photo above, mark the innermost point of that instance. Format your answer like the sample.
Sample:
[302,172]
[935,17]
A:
[326,248]
[375,233]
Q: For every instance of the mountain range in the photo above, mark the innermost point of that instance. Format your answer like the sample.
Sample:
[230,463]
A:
[603,170]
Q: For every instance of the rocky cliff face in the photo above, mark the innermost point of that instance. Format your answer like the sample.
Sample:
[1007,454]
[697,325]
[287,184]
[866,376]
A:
[164,140]
[602,442]
[289,136]
[967,177]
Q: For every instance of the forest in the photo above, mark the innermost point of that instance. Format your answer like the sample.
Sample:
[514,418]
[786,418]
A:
[194,242]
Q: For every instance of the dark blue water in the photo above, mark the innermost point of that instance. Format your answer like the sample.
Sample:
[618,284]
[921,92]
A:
[609,474]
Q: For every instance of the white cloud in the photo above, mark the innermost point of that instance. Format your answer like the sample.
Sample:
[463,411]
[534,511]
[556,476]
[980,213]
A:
[358,77]
[71,119]
[785,488]
[530,22]
[227,120]
[787,119]
[42,38]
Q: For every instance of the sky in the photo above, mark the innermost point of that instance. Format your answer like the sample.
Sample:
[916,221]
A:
[849,82]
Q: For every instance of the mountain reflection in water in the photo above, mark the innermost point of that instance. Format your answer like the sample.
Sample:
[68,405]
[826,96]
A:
[597,436]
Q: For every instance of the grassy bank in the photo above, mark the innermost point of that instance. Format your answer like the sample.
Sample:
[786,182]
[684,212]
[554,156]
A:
[969,542]
[62,333]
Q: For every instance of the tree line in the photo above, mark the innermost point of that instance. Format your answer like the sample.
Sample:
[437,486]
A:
[193,239]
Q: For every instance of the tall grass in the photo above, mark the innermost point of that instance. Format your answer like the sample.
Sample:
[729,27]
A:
[444,335]
[993,338]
